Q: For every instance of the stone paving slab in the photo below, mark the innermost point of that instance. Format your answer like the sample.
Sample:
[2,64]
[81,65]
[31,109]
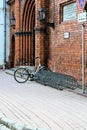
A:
[41,106]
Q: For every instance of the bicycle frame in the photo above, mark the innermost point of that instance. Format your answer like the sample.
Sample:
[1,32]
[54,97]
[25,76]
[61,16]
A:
[38,67]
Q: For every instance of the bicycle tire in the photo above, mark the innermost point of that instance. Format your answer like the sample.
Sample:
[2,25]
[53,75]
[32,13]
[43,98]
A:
[21,75]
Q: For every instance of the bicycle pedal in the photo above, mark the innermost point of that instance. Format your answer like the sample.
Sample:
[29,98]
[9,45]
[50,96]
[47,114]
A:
[31,79]
[61,88]
[31,76]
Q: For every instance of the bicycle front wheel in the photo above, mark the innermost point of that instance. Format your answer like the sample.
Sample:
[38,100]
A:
[21,75]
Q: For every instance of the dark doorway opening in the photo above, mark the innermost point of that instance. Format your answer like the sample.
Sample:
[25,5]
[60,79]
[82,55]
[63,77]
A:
[13,51]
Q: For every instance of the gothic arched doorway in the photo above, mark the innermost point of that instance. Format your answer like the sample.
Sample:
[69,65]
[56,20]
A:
[28,37]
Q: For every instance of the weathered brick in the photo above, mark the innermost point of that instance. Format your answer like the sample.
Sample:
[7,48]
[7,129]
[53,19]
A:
[63,55]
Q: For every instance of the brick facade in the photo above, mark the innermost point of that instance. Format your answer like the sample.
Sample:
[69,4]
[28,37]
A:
[60,54]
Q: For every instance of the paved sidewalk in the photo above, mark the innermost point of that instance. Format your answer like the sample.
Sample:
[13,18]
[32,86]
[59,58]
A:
[77,91]
[41,106]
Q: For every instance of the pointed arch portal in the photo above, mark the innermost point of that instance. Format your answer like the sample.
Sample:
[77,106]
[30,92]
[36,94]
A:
[28,40]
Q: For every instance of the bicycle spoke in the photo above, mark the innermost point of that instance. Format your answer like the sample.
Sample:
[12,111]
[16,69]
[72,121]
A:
[21,75]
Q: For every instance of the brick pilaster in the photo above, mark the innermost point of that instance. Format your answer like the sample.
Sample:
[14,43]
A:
[17,28]
[39,32]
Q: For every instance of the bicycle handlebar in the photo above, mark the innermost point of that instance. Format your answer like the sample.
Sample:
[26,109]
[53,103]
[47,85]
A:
[38,58]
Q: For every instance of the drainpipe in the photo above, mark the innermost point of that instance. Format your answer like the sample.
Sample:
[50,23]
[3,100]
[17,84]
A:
[83,71]
[4,34]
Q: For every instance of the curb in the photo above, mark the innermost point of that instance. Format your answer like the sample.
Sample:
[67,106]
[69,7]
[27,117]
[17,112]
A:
[10,72]
[7,124]
[10,125]
[2,127]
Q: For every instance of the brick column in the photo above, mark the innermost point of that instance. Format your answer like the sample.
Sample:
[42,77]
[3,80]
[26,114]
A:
[39,32]
[17,28]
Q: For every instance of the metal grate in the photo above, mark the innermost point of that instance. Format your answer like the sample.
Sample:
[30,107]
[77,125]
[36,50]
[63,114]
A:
[56,80]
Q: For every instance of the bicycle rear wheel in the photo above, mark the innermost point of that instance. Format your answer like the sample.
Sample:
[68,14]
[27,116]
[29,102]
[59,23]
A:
[21,75]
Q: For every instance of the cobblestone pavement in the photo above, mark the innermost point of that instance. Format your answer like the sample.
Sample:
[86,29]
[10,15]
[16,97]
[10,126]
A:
[41,106]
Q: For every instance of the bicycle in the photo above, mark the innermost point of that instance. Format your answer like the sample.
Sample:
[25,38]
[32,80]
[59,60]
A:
[22,74]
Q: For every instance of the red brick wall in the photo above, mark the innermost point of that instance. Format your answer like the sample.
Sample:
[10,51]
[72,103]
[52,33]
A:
[59,54]
[65,55]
